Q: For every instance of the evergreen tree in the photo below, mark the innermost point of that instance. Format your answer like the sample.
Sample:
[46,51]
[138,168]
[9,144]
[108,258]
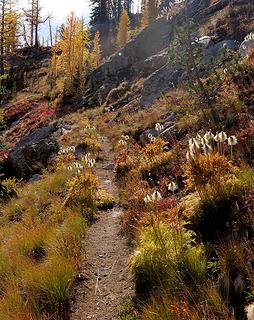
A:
[127,6]
[123,35]
[100,12]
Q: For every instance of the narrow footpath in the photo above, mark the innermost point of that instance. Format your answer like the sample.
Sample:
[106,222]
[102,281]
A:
[106,278]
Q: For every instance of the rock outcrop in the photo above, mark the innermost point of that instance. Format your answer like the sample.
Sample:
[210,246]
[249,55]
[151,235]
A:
[33,152]
[29,68]
[138,59]
[146,56]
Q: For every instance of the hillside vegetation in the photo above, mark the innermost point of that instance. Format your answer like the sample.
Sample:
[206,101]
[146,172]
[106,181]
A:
[176,102]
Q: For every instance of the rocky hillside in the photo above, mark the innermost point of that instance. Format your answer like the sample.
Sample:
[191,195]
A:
[146,166]
[142,72]
[132,78]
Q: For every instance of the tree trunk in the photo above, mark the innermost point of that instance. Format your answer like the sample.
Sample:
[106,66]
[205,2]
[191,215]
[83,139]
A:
[32,24]
[37,23]
[50,33]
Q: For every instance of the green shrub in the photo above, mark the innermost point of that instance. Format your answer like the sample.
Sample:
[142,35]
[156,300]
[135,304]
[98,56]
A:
[82,194]
[128,310]
[167,258]
[214,215]
[8,188]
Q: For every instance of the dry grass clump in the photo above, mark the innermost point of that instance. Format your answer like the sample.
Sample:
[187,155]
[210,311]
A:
[208,174]
[42,233]
[8,188]
[41,252]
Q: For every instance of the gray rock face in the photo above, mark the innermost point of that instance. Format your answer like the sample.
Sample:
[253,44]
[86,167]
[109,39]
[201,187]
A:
[35,177]
[155,62]
[146,57]
[32,158]
[246,46]
[125,62]
[158,83]
[33,152]
[139,58]
[205,42]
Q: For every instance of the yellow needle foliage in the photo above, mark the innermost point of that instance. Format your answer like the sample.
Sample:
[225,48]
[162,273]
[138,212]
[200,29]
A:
[71,55]
[96,52]
[123,35]
[11,36]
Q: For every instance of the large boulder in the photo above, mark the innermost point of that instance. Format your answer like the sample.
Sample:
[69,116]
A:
[33,152]
[32,157]
[205,42]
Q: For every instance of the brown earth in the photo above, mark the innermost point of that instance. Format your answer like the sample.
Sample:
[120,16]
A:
[106,280]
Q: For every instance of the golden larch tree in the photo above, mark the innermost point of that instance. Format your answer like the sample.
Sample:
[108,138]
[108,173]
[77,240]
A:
[96,51]
[8,30]
[123,35]
[71,55]
[145,18]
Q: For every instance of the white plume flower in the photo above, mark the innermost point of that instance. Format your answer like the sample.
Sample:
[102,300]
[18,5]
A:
[203,141]
[209,136]
[150,136]
[196,145]
[147,199]
[191,142]
[158,127]
[156,196]
[198,137]
[172,186]
[122,142]
[232,141]
[222,136]
[250,312]
[216,137]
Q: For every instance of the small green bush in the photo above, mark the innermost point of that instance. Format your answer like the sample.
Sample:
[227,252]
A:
[167,258]
[8,188]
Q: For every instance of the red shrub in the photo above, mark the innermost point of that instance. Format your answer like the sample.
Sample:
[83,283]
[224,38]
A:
[33,118]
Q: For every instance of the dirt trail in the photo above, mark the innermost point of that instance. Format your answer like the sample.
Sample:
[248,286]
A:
[107,280]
